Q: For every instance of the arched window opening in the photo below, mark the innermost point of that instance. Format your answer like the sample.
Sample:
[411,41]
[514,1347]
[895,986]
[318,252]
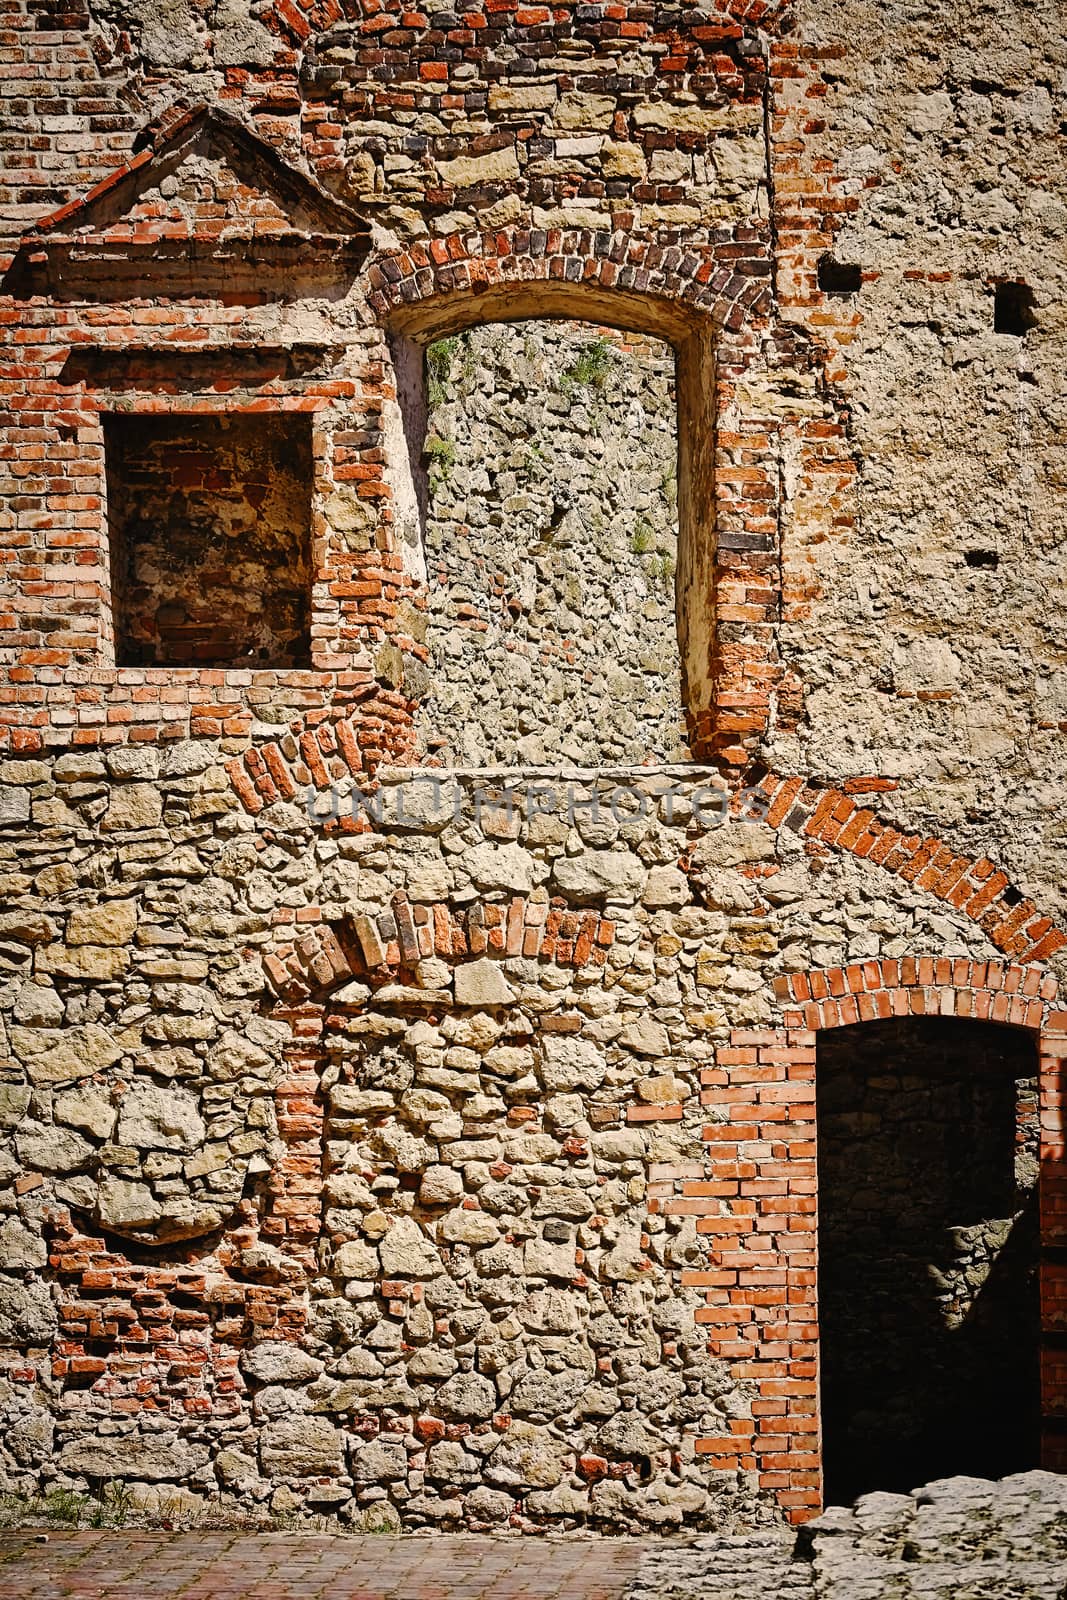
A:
[928,1243]
[554,495]
[551,540]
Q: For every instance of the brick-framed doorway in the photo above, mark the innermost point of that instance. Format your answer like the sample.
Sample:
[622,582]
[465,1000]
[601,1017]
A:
[762,1213]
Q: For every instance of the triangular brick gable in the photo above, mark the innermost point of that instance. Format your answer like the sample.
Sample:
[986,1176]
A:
[202,174]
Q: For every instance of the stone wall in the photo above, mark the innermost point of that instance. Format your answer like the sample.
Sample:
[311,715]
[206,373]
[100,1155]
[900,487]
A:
[552,548]
[941,670]
[457,1230]
[959,1534]
[446,1155]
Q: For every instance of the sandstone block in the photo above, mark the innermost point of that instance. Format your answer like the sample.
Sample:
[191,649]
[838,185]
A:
[467,1395]
[379,1461]
[76,1053]
[577,110]
[522,97]
[698,119]
[407,1253]
[440,1186]
[133,761]
[622,160]
[27,927]
[14,805]
[482,983]
[52,1149]
[543,1259]
[27,1313]
[152,1118]
[275,1361]
[468,1227]
[19,1246]
[464,172]
[85,961]
[571,1062]
[150,1457]
[666,886]
[504,866]
[354,1259]
[646,1037]
[123,1204]
[14,1100]
[301,1447]
[528,1457]
[600,875]
[110,922]
[132,806]
[543,1396]
[88,1111]
[38,1006]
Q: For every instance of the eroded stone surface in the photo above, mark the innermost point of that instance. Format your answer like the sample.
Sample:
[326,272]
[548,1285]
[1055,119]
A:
[965,1536]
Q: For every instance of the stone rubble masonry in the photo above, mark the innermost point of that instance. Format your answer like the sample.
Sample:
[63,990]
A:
[954,1534]
[451,1171]
[435,1193]
[551,544]
[833,817]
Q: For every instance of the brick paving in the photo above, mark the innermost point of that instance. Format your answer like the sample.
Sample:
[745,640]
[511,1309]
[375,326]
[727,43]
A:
[274,1566]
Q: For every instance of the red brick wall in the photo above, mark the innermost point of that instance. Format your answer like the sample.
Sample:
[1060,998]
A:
[761,1281]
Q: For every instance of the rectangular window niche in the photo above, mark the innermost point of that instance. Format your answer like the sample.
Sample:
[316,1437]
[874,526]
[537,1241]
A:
[210,532]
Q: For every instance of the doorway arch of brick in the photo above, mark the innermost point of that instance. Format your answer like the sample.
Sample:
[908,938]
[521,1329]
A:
[666,287]
[760,1279]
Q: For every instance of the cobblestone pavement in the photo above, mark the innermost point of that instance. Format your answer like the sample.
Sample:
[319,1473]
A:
[956,1539]
[274,1566]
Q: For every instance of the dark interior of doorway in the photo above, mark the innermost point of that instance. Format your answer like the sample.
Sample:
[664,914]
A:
[928,1242]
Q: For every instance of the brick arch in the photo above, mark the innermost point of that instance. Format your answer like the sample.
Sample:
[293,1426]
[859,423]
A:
[692,38]
[761,1286]
[842,819]
[313,959]
[918,986]
[377,947]
[617,278]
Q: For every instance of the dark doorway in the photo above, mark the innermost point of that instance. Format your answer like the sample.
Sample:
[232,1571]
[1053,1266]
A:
[928,1234]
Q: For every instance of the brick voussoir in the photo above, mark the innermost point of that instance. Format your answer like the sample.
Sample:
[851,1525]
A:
[319,960]
[974,885]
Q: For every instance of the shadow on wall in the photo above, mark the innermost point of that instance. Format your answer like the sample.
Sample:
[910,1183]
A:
[928,1249]
[210,536]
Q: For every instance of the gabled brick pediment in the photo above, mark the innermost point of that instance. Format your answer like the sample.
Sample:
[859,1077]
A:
[201,176]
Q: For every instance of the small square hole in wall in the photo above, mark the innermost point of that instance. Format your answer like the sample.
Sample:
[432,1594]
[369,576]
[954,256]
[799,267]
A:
[839,277]
[1013,309]
[210,528]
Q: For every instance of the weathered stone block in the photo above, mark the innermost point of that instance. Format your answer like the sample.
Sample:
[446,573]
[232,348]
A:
[301,1447]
